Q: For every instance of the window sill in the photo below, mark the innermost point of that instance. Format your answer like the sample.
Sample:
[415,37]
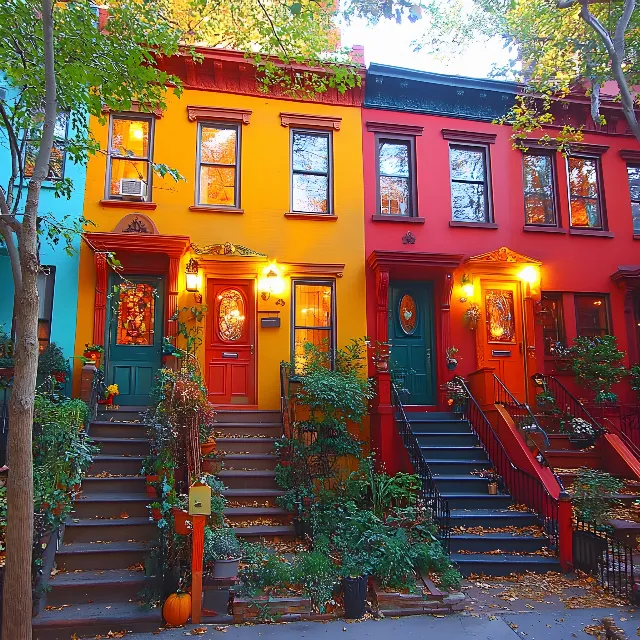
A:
[397,218]
[473,225]
[636,236]
[591,232]
[541,229]
[326,217]
[205,209]
[130,204]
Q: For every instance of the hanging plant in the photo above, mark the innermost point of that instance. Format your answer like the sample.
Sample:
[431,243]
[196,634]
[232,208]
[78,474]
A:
[472,315]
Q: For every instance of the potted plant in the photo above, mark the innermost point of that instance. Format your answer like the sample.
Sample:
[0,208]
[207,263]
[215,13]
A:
[151,475]
[52,363]
[156,511]
[452,362]
[222,552]
[355,570]
[212,462]
[208,447]
[583,434]
[492,485]
[110,393]
[472,315]
[93,352]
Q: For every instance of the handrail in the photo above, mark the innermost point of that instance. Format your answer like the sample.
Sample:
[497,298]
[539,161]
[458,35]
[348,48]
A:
[524,487]
[98,388]
[430,494]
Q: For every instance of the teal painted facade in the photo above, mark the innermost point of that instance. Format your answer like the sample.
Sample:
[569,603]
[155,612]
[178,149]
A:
[65,286]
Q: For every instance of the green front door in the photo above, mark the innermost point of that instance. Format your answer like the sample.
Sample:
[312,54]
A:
[411,335]
[134,337]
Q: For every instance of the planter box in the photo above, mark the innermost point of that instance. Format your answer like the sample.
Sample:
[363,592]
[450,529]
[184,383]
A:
[265,608]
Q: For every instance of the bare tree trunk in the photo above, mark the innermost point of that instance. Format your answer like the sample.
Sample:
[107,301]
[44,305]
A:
[17,594]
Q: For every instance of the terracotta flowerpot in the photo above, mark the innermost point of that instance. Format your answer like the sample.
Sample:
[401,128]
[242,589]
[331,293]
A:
[151,490]
[180,518]
[207,447]
[226,568]
[493,488]
[156,514]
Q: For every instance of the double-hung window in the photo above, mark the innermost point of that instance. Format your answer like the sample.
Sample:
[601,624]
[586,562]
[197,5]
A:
[218,165]
[311,172]
[552,314]
[129,157]
[58,150]
[470,191]
[585,201]
[634,186]
[592,314]
[396,186]
[540,208]
[313,313]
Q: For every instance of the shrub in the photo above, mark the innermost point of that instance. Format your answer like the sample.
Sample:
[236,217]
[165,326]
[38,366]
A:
[591,491]
[317,575]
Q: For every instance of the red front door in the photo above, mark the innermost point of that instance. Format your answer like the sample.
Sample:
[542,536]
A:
[230,340]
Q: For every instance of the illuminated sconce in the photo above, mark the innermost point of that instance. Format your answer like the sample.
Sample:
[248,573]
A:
[271,282]
[529,275]
[193,279]
[467,288]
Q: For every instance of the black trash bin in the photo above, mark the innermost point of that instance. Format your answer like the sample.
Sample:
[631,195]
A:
[355,596]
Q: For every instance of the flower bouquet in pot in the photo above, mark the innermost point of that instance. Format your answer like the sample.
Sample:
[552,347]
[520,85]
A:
[583,434]
[110,392]
[222,551]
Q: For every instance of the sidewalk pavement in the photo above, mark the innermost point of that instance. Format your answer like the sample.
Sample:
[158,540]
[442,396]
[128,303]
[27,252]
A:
[530,625]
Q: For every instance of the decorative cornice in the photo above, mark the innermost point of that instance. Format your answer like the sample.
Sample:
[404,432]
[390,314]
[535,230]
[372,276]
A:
[630,155]
[136,107]
[136,223]
[469,136]
[590,149]
[503,255]
[218,113]
[394,127]
[386,260]
[172,246]
[537,143]
[627,275]
[308,120]
[226,249]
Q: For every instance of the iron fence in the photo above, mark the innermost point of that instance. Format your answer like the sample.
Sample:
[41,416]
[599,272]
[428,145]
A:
[597,552]
[432,499]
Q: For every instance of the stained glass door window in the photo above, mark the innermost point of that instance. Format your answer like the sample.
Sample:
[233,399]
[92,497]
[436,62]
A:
[499,308]
[136,311]
[231,315]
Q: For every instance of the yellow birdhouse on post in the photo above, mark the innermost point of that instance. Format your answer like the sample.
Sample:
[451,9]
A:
[199,499]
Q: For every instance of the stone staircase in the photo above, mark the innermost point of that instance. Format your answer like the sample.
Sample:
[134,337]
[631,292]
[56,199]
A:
[488,535]
[247,439]
[105,540]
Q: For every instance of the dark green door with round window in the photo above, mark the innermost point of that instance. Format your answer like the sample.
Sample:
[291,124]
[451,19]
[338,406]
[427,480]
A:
[411,335]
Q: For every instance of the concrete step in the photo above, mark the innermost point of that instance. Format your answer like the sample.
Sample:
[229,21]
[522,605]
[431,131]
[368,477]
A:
[447,439]
[243,515]
[248,479]
[89,556]
[91,620]
[592,459]
[432,415]
[110,505]
[462,484]
[122,414]
[439,426]
[126,465]
[123,446]
[247,416]
[108,429]
[265,532]
[116,585]
[453,453]
[503,565]
[124,485]
[492,518]
[476,501]
[253,497]
[260,461]
[248,430]
[116,530]
[457,467]
[507,542]
[245,445]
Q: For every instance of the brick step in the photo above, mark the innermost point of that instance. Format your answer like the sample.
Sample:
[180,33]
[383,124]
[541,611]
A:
[507,542]
[111,505]
[248,479]
[447,439]
[266,532]
[573,459]
[106,429]
[453,453]
[490,518]
[123,446]
[128,465]
[275,515]
[251,497]
[477,501]
[95,586]
[93,556]
[247,416]
[116,530]
[91,620]
[462,484]
[253,430]
[260,461]
[439,426]
[124,485]
[244,445]
[503,565]
[457,467]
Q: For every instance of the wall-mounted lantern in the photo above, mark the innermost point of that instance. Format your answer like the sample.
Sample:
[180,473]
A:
[467,288]
[271,282]
[191,273]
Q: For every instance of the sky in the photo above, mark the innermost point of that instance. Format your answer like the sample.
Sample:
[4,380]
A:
[390,43]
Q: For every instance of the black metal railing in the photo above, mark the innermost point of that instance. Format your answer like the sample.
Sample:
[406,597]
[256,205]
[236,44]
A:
[431,497]
[630,422]
[597,552]
[525,489]
[98,388]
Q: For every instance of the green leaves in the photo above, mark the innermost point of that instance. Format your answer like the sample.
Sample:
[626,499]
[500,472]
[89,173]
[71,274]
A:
[296,8]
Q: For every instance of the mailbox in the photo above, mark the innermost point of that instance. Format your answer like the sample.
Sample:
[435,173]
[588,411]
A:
[199,499]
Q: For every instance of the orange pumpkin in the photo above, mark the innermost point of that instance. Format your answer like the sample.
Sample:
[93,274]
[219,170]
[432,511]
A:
[177,609]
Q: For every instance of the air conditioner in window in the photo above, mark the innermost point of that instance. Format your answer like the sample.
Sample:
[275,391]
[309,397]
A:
[133,188]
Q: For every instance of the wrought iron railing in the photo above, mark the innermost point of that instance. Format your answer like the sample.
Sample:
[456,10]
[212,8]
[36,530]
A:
[630,422]
[597,552]
[432,499]
[98,388]
[525,489]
